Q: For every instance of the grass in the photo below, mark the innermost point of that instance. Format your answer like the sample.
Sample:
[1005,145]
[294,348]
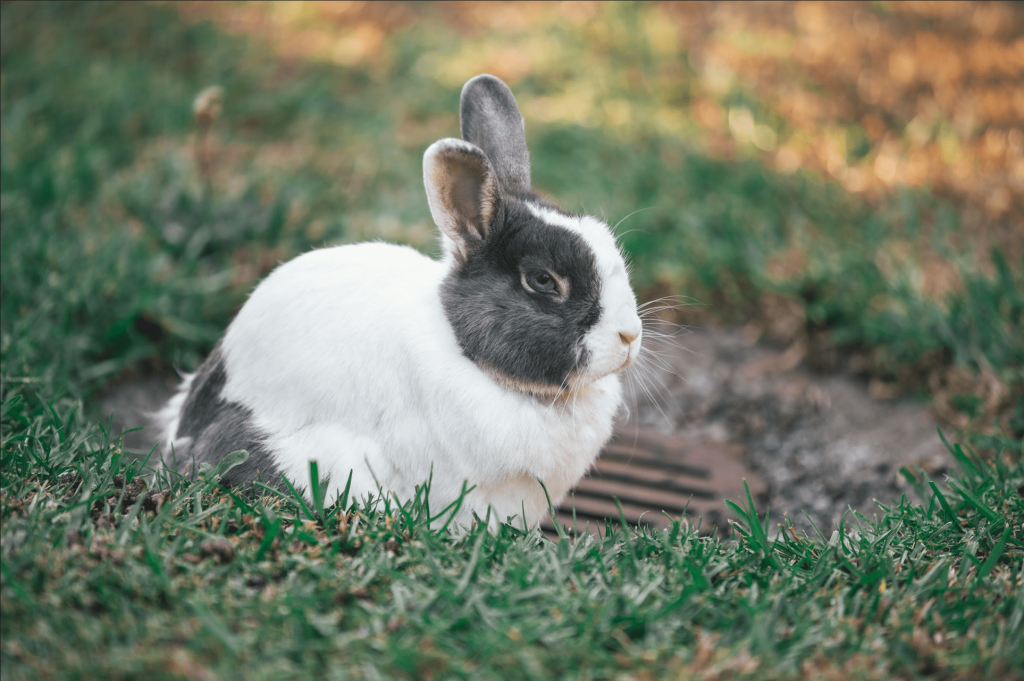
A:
[121,253]
[104,579]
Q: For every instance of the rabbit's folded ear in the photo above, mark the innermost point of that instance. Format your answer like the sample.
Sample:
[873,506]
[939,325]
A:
[491,120]
[461,191]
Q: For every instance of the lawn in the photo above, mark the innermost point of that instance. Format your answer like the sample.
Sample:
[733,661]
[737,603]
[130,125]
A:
[133,229]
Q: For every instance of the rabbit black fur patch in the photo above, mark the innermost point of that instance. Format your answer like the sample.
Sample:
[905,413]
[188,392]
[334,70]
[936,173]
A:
[217,427]
[525,336]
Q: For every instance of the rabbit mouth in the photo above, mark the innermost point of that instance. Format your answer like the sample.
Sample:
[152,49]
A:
[580,382]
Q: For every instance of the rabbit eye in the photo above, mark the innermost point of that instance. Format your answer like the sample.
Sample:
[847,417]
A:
[541,282]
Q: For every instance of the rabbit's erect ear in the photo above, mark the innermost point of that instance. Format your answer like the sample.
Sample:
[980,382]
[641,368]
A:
[491,120]
[461,191]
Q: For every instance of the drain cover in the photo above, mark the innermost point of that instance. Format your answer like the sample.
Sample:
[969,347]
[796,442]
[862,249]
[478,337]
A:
[652,474]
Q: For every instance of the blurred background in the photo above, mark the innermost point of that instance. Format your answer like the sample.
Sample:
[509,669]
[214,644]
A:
[844,180]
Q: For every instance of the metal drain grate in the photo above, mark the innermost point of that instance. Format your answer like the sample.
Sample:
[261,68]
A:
[652,474]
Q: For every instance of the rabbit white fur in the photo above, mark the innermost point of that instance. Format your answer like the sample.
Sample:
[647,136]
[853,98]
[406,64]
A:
[377,360]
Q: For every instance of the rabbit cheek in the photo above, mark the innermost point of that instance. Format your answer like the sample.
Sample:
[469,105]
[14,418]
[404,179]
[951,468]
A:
[612,342]
[507,336]
[214,427]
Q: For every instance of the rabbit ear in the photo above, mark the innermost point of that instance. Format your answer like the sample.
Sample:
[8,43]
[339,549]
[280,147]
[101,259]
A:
[461,191]
[491,120]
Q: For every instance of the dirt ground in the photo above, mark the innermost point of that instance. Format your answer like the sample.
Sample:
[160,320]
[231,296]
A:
[821,443]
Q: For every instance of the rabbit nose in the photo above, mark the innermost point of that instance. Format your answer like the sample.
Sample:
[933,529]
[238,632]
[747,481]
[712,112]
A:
[627,337]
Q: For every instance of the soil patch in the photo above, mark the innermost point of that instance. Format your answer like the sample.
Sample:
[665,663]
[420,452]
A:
[822,443]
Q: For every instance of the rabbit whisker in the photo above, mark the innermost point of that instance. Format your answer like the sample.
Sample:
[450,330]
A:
[638,210]
[682,300]
[642,379]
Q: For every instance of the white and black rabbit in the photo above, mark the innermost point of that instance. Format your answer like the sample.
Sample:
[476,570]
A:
[496,365]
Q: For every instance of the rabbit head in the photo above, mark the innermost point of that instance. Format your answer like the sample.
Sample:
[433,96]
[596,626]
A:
[538,298]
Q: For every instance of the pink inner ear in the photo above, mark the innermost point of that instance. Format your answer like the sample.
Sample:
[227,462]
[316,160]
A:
[469,196]
[461,190]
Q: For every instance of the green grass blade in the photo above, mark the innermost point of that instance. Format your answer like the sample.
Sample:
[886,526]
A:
[944,504]
[966,465]
[297,498]
[551,510]
[975,501]
[343,500]
[997,552]
[318,491]
[454,506]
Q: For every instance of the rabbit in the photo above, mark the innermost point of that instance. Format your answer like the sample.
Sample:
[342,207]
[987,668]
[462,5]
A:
[496,365]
